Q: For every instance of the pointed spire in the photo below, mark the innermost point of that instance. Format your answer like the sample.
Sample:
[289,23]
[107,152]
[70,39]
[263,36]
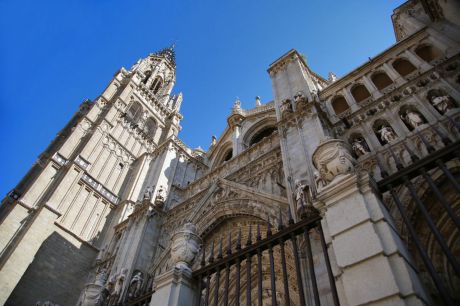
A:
[249,241]
[168,53]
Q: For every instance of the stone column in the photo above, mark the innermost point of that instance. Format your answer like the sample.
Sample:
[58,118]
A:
[373,89]
[393,74]
[176,287]
[350,99]
[372,265]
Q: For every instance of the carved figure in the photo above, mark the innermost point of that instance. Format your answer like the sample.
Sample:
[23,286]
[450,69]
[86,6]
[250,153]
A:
[237,104]
[148,192]
[118,288]
[300,194]
[332,159]
[332,77]
[135,285]
[319,180]
[387,134]
[413,118]
[213,141]
[161,195]
[442,103]
[360,146]
[258,103]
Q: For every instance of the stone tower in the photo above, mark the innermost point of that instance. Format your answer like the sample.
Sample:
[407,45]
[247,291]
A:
[67,200]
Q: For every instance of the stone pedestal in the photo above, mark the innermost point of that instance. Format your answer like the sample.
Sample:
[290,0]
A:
[372,265]
[175,288]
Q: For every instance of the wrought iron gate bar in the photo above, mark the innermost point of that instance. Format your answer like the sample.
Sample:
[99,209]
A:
[263,244]
[428,162]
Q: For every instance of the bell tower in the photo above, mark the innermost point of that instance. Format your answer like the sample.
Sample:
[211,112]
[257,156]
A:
[69,200]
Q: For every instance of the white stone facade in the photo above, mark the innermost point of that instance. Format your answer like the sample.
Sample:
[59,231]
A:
[117,206]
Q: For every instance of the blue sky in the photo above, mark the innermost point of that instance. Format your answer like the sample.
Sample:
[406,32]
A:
[54,54]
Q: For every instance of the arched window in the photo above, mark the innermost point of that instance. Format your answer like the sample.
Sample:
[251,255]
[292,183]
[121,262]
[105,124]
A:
[228,155]
[403,66]
[428,53]
[156,84]
[266,132]
[381,80]
[134,112]
[150,127]
[340,105]
[148,73]
[360,93]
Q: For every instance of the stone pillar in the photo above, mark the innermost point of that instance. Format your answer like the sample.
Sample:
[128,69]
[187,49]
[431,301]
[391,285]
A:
[176,287]
[393,74]
[372,265]
[350,99]
[373,89]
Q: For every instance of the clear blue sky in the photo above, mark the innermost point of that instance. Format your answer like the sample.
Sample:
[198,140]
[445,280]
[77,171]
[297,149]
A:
[54,54]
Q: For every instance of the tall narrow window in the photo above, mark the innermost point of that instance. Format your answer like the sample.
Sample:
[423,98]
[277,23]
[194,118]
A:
[156,85]
[134,112]
[148,73]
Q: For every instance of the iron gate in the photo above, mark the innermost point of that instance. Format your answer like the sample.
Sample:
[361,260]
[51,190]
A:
[242,267]
[416,211]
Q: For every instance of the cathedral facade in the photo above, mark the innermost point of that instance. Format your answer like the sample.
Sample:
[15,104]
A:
[339,191]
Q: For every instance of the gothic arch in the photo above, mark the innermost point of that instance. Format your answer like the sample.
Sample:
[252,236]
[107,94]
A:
[134,111]
[225,153]
[259,130]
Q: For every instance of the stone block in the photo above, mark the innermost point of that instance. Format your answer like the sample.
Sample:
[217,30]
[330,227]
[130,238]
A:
[356,244]
[369,281]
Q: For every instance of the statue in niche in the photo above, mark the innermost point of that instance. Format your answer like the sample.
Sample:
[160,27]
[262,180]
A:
[116,295]
[443,103]
[412,118]
[303,200]
[387,134]
[135,285]
[360,146]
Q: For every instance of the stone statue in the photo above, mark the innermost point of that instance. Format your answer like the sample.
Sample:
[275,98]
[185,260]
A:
[300,194]
[161,195]
[413,118]
[213,141]
[442,103]
[319,180]
[258,103]
[332,77]
[148,193]
[360,146]
[387,134]
[135,285]
[237,104]
[116,295]
[304,205]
